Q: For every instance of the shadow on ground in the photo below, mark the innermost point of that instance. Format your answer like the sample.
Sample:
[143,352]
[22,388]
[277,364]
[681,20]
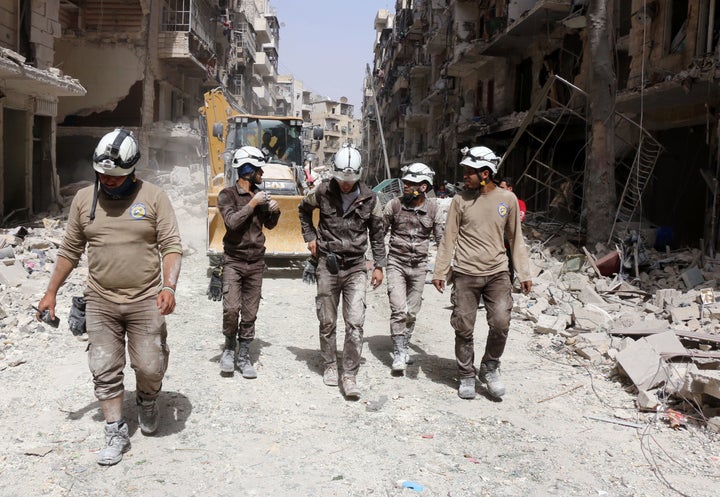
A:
[175,409]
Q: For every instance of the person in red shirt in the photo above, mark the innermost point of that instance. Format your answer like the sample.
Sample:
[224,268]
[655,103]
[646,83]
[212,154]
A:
[507,184]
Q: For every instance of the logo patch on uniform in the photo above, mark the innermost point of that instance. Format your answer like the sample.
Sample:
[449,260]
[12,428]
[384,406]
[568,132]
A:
[137,211]
[502,209]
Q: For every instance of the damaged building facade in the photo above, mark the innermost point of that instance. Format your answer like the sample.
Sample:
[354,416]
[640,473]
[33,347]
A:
[515,75]
[146,65]
[30,90]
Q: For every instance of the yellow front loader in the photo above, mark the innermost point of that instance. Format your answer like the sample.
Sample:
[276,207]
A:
[225,128]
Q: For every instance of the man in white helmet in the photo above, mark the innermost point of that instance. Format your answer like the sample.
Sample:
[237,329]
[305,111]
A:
[412,220]
[134,255]
[245,209]
[350,214]
[473,244]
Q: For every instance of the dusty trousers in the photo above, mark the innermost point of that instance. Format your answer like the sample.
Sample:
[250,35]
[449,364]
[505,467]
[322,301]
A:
[109,325]
[405,288]
[242,288]
[351,284]
[495,291]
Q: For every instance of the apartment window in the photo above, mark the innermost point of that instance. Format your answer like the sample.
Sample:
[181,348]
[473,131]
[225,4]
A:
[676,19]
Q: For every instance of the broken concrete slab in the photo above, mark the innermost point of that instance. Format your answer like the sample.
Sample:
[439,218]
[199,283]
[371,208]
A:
[684,313]
[590,317]
[643,363]
[589,296]
[12,276]
[706,381]
[551,325]
[693,277]
[647,400]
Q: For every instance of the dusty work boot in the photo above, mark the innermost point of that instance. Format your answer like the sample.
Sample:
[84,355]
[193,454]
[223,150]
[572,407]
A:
[227,359]
[399,354]
[330,376]
[243,361]
[117,442]
[148,416]
[227,362]
[467,388]
[490,375]
[408,359]
[350,388]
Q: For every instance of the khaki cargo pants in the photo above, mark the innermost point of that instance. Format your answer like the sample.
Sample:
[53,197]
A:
[109,327]
[496,293]
[405,289]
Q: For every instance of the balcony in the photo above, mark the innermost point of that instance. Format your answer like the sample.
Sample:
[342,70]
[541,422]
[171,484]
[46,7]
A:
[417,115]
[517,36]
[263,65]
[265,97]
[186,35]
[262,30]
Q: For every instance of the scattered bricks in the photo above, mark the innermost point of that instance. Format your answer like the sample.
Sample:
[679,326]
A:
[590,296]
[590,354]
[551,325]
[575,282]
[712,311]
[651,308]
[686,313]
[693,277]
[590,317]
[664,296]
[693,325]
[12,276]
[647,400]
[706,381]
[601,341]
[534,311]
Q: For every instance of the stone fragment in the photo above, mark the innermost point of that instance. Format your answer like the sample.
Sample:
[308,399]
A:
[12,276]
[642,362]
[693,277]
[685,313]
[647,400]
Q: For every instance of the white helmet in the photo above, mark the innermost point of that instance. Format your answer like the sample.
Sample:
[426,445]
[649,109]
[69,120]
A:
[252,156]
[418,172]
[479,157]
[116,154]
[347,164]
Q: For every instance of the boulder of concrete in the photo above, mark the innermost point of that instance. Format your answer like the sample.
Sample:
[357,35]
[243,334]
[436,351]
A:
[643,363]
[12,276]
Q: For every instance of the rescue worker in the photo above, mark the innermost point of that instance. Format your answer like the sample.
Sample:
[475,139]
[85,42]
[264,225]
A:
[349,211]
[411,220]
[473,243]
[128,227]
[245,209]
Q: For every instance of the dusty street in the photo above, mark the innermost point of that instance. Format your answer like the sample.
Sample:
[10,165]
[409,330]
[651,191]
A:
[285,433]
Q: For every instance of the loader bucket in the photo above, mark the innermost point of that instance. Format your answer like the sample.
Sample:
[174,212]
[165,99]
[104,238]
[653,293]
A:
[285,241]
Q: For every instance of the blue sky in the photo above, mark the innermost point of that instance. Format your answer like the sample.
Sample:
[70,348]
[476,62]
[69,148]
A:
[327,43]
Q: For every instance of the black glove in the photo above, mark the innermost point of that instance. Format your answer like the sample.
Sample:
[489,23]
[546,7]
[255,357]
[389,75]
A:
[215,288]
[309,269]
[76,320]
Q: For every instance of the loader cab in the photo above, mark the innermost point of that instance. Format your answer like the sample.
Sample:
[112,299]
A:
[279,139]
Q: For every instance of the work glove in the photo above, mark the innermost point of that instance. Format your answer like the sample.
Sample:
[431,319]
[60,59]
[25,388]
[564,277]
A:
[215,287]
[76,319]
[309,269]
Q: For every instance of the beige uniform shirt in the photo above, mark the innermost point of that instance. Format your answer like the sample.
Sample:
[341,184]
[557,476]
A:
[125,242]
[473,241]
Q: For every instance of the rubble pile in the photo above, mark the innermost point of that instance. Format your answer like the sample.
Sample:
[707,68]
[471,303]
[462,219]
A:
[659,329]
[28,254]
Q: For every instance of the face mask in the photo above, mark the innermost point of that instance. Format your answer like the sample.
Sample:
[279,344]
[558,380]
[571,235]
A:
[122,191]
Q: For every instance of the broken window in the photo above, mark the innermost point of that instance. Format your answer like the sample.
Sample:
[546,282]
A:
[676,26]
[523,85]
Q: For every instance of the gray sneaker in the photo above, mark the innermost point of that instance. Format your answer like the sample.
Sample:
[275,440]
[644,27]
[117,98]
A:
[148,416]
[466,390]
[330,376]
[227,362]
[490,375]
[117,442]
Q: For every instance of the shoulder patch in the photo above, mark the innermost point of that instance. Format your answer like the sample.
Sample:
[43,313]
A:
[502,209]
